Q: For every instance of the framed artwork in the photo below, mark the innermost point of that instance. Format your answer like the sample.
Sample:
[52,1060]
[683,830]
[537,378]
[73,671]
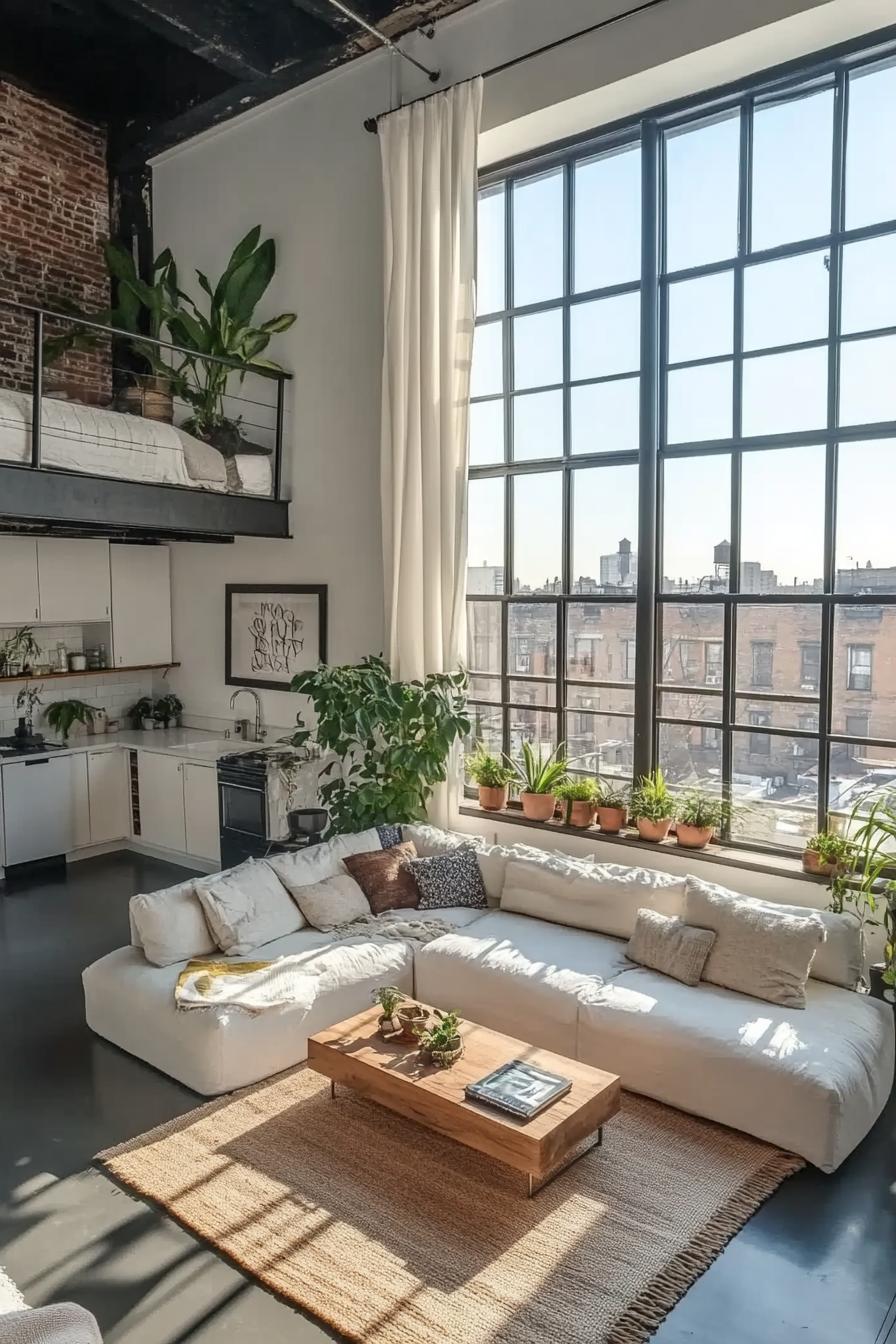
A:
[272,631]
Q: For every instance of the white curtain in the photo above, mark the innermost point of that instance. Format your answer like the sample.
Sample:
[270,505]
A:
[429,161]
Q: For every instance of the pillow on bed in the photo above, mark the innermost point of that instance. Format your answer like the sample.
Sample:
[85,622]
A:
[205,465]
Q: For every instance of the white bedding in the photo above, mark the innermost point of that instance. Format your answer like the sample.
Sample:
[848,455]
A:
[111,443]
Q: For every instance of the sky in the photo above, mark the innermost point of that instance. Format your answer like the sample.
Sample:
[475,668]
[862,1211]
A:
[784,301]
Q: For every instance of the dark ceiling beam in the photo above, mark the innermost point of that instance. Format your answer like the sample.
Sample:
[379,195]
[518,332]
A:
[326,13]
[225,33]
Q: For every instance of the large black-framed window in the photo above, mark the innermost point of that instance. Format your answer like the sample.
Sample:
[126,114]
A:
[683,449]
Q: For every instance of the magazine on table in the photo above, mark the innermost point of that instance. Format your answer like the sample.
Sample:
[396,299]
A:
[519,1088]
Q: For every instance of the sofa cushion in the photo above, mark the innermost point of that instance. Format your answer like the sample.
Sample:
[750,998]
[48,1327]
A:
[668,945]
[299,868]
[810,1080]
[446,880]
[247,907]
[602,897]
[170,925]
[384,877]
[430,840]
[131,1004]
[337,900]
[517,975]
[758,949]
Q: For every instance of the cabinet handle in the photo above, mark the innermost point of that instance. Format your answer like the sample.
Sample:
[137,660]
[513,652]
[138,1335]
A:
[36,613]
[44,762]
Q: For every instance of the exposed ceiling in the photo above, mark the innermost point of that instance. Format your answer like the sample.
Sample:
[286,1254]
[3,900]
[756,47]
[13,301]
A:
[159,71]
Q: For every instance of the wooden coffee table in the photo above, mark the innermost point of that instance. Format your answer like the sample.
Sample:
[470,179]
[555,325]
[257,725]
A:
[392,1074]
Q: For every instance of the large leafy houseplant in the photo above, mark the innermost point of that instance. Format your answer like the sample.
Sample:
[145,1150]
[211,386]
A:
[871,889]
[227,331]
[391,739]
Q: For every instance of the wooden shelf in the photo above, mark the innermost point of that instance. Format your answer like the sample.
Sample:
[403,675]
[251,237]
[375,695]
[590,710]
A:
[88,672]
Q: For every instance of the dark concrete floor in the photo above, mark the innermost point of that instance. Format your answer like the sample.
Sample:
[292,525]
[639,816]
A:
[816,1263]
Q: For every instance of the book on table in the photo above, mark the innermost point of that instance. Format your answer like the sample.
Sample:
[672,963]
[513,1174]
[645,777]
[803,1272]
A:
[521,1089]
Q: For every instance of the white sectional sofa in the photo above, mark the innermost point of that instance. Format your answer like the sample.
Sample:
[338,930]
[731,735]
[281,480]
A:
[547,963]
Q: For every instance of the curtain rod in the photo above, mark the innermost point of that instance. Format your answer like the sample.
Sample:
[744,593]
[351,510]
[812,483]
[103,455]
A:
[432,75]
[371,122]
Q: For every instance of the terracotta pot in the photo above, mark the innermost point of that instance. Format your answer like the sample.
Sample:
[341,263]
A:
[693,837]
[411,1018]
[655,831]
[538,806]
[492,799]
[812,864]
[581,813]
[612,819]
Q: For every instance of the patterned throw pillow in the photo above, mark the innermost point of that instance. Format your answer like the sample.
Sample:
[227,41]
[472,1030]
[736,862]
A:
[384,878]
[449,880]
[389,835]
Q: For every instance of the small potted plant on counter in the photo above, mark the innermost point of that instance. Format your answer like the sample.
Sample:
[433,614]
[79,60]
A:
[493,778]
[442,1043]
[167,711]
[27,701]
[142,715]
[579,795]
[612,807]
[698,818]
[828,854]
[652,807]
[62,716]
[538,778]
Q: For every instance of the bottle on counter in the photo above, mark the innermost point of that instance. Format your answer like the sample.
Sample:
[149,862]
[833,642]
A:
[61,656]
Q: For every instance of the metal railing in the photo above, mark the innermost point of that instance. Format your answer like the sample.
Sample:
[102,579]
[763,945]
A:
[39,317]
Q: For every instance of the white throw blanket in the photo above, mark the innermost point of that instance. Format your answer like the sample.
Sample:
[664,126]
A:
[256,986]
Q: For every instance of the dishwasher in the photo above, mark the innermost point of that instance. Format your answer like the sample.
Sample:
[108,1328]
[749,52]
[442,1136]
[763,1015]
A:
[38,808]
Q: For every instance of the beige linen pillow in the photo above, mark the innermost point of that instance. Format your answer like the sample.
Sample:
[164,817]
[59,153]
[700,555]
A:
[666,944]
[248,907]
[170,925]
[336,900]
[757,951]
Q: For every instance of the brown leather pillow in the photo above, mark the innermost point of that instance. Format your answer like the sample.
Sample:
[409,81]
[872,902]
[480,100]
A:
[383,878]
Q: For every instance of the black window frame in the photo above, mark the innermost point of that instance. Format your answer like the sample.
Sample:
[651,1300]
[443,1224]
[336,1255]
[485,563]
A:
[646,132]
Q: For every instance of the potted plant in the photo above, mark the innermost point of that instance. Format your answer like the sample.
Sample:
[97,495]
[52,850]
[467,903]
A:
[652,807]
[492,776]
[870,889]
[62,716]
[411,1018]
[390,740]
[168,709]
[142,714]
[388,997]
[442,1043]
[538,777]
[827,854]
[27,701]
[698,817]
[20,652]
[579,795]
[612,807]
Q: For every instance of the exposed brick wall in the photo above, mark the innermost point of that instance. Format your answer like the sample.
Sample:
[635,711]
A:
[54,215]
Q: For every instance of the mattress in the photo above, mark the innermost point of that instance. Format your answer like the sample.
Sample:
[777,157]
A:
[101,442]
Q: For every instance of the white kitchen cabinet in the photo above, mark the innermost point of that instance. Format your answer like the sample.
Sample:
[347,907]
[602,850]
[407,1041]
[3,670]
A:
[19,593]
[203,837]
[39,808]
[73,580]
[80,801]
[141,605]
[109,795]
[161,786]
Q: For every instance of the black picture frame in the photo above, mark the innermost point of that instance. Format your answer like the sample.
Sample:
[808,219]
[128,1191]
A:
[235,675]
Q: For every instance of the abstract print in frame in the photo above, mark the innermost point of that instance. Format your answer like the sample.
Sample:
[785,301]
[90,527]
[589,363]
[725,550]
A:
[273,631]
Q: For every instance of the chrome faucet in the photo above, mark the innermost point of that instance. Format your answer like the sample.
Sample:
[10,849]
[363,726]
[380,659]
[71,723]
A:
[259,734]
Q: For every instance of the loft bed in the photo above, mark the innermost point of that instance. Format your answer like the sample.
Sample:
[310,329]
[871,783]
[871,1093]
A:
[76,460]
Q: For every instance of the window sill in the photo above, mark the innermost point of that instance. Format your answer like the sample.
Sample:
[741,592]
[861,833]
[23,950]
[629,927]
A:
[730,856]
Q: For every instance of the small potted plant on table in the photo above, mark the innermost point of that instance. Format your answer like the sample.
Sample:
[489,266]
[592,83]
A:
[442,1043]
[539,777]
[612,807]
[652,807]
[827,854]
[492,776]
[579,795]
[698,818]
[389,998]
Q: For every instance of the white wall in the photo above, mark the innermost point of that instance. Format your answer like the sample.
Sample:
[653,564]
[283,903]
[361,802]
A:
[306,170]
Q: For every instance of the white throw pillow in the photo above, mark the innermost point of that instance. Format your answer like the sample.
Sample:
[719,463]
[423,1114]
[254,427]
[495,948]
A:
[432,840]
[840,960]
[602,897]
[303,867]
[170,925]
[248,907]
[336,900]
[758,950]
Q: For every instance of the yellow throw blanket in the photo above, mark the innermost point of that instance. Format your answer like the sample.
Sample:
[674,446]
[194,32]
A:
[250,986]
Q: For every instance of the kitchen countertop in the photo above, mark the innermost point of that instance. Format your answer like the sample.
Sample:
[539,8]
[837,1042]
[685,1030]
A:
[190,743]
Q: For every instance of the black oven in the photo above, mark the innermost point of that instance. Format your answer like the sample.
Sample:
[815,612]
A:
[243,807]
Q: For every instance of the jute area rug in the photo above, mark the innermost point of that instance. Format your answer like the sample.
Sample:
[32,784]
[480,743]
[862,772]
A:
[393,1235]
